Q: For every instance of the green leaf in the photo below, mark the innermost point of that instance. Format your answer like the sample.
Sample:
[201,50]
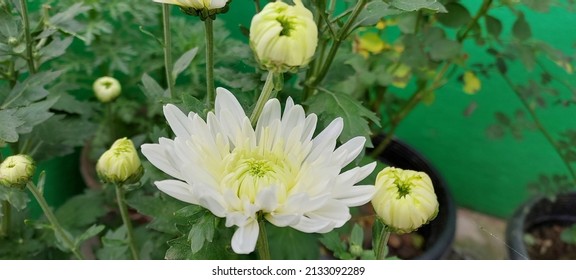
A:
[82,210]
[373,12]
[415,5]
[444,49]
[456,17]
[218,249]
[17,198]
[493,25]
[89,233]
[290,244]
[34,114]
[8,125]
[202,231]
[55,49]
[160,208]
[114,245]
[151,88]
[30,90]
[329,106]
[59,135]
[183,62]
[69,104]
[234,79]
[192,104]
[357,235]
[521,29]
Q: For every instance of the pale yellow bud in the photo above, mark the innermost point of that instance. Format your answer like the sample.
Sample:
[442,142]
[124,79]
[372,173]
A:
[106,89]
[16,171]
[404,199]
[200,8]
[120,164]
[283,37]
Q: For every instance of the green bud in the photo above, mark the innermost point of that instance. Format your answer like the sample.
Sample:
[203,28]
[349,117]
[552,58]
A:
[16,171]
[106,89]
[120,164]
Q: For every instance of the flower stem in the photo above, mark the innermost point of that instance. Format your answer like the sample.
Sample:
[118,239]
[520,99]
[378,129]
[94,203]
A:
[382,249]
[28,36]
[126,219]
[209,30]
[6,212]
[541,127]
[263,98]
[262,244]
[316,78]
[168,49]
[54,222]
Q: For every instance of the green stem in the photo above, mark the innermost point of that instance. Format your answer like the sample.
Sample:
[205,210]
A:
[266,93]
[168,49]
[29,43]
[262,243]
[6,212]
[53,221]
[382,249]
[209,28]
[316,78]
[126,219]
[541,127]
[257,5]
[483,10]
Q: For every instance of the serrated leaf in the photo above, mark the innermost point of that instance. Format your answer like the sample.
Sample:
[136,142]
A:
[82,210]
[160,208]
[30,90]
[373,12]
[55,49]
[291,244]
[114,245]
[329,106]
[415,5]
[59,135]
[521,29]
[17,198]
[8,124]
[202,231]
[218,249]
[493,25]
[34,114]
[183,62]
[456,17]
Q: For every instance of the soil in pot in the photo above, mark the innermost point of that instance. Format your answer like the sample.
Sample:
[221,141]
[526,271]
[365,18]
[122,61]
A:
[533,232]
[544,242]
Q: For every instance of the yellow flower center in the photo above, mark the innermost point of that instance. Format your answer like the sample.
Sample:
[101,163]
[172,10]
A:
[287,25]
[248,172]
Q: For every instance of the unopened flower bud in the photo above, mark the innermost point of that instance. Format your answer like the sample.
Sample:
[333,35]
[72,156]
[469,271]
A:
[283,37]
[16,171]
[120,164]
[404,199]
[106,89]
[200,8]
[13,41]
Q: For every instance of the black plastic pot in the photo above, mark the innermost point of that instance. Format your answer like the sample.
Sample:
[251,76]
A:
[439,233]
[537,211]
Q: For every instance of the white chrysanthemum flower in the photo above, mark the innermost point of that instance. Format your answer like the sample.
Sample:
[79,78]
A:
[276,170]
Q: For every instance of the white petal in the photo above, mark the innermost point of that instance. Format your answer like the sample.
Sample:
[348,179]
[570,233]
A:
[245,237]
[160,156]
[349,150]
[309,225]
[179,123]
[358,195]
[325,142]
[178,190]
